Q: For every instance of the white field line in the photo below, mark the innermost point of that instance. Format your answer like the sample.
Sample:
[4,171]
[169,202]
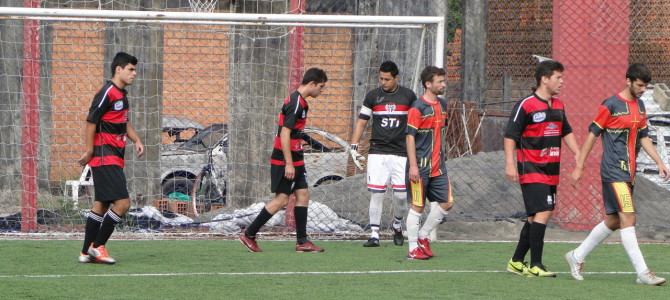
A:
[43,276]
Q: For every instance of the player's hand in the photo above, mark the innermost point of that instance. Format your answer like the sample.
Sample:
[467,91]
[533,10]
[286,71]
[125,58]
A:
[85,158]
[663,172]
[414,174]
[289,171]
[511,173]
[357,157]
[139,149]
[576,175]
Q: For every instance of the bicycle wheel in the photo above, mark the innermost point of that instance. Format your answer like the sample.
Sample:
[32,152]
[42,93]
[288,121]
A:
[204,193]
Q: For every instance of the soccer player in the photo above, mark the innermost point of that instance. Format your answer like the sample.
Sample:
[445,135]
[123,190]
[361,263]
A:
[107,127]
[622,123]
[536,127]
[287,168]
[426,168]
[387,105]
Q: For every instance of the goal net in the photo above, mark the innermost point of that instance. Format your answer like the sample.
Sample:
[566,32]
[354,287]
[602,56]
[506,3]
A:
[208,90]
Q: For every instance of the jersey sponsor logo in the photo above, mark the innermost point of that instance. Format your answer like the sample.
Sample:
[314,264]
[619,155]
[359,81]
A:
[118,105]
[552,130]
[539,117]
[551,151]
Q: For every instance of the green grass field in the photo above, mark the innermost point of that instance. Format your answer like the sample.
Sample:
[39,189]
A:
[215,269]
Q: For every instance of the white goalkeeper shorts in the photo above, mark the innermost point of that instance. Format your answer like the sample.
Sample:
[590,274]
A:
[385,167]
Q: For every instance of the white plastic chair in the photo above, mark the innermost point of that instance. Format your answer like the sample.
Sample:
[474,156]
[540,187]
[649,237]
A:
[75,184]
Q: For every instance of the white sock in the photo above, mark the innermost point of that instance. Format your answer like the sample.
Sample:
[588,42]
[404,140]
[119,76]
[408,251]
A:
[376,205]
[375,232]
[629,241]
[413,222]
[434,217]
[399,205]
[598,235]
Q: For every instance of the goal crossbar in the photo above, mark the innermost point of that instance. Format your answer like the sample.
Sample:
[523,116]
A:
[234,18]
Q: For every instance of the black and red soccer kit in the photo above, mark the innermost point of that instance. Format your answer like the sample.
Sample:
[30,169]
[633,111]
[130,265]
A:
[293,115]
[621,123]
[427,121]
[109,111]
[538,126]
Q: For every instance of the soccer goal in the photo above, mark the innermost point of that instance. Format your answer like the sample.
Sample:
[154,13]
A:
[208,90]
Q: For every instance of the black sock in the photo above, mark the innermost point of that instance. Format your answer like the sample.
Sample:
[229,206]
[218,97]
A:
[93,222]
[108,223]
[536,243]
[523,245]
[256,225]
[301,223]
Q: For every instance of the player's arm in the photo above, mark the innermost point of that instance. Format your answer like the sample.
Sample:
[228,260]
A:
[358,131]
[648,147]
[132,135]
[583,154]
[571,141]
[411,158]
[511,172]
[515,126]
[89,135]
[285,138]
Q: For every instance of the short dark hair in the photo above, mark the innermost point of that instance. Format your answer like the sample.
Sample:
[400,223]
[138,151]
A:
[122,59]
[389,67]
[638,71]
[546,69]
[429,72]
[314,74]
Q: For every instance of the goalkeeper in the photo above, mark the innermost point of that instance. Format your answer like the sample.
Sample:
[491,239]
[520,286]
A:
[387,106]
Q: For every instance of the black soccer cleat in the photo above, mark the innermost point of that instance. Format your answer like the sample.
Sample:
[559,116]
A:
[398,239]
[372,242]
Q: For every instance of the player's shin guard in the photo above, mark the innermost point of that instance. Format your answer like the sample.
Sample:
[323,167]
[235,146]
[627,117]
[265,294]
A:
[413,222]
[536,243]
[399,205]
[93,222]
[107,228]
[434,217]
[629,241]
[375,211]
[301,223]
[597,235]
[524,243]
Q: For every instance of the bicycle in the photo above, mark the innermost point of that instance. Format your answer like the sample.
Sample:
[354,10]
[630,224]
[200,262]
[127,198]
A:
[209,186]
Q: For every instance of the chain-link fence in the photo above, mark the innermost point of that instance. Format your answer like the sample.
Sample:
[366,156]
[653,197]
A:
[207,97]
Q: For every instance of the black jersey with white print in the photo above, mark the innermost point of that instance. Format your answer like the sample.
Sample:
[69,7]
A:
[388,111]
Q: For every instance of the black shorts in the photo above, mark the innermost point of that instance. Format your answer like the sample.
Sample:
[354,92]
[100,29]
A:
[109,183]
[280,185]
[436,189]
[618,197]
[538,197]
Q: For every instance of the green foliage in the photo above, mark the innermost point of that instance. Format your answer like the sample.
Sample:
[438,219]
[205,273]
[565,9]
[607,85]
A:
[215,269]
[454,17]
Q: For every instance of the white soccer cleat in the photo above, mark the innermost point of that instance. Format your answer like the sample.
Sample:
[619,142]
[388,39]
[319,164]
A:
[84,258]
[649,278]
[575,266]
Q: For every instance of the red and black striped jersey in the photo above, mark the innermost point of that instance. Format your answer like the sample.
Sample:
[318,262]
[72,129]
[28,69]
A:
[388,111]
[293,115]
[538,128]
[109,111]
[622,123]
[427,121]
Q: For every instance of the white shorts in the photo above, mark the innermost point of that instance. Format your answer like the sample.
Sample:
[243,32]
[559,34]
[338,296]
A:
[381,168]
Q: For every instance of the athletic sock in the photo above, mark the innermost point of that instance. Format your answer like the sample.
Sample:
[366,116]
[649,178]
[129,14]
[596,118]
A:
[399,205]
[93,222]
[258,222]
[301,223]
[629,241]
[374,234]
[597,235]
[413,221]
[536,243]
[524,243]
[434,217]
[397,224]
[375,210]
[109,222]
